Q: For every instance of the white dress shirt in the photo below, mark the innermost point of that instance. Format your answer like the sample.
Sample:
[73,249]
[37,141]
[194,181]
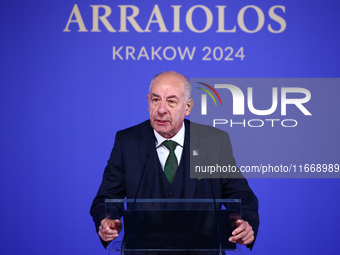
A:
[163,152]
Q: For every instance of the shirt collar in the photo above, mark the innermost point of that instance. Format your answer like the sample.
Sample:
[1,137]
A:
[178,138]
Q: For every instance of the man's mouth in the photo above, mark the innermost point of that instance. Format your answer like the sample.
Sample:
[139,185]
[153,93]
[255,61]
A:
[161,122]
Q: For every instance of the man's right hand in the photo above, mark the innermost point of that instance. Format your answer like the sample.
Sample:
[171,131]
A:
[109,229]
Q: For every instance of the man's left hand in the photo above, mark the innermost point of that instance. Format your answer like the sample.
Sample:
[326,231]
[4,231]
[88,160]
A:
[243,233]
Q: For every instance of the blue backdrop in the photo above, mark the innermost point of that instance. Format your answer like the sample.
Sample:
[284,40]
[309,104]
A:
[75,72]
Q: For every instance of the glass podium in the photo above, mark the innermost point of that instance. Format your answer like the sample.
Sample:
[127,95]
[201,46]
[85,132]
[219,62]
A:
[174,225]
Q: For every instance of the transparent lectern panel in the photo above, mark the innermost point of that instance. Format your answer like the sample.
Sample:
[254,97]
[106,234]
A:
[175,224]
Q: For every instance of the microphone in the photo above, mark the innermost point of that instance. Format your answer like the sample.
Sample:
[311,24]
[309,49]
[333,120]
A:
[148,153]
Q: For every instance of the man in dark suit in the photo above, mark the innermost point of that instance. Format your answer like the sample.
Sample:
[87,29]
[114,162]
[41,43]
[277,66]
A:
[142,147]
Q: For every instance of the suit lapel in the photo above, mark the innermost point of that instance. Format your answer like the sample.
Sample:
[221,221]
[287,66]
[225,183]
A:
[190,184]
[147,148]
[196,156]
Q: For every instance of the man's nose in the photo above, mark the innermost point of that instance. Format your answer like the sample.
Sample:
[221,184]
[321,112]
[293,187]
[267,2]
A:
[162,108]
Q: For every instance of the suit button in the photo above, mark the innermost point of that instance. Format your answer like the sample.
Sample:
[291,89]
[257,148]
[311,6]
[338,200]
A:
[170,195]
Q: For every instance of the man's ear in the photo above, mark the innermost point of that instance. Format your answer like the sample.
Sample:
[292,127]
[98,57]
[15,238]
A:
[189,105]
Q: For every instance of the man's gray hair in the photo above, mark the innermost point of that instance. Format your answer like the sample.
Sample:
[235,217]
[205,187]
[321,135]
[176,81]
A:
[186,83]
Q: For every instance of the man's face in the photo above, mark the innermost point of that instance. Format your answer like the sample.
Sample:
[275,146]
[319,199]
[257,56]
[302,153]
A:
[168,105]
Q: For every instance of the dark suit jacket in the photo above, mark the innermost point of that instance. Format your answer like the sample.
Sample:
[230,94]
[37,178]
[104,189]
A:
[135,148]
